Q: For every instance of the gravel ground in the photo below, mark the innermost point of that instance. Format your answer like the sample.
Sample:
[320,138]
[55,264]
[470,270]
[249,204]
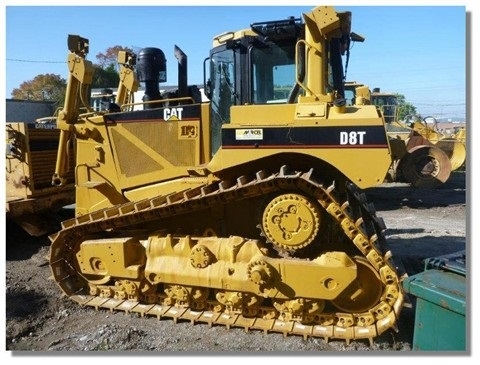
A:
[420,224]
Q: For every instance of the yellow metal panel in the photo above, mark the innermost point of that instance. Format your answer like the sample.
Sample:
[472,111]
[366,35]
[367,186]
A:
[262,114]
[343,159]
[314,110]
[145,150]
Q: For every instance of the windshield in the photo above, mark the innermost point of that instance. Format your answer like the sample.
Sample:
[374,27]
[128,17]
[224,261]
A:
[273,73]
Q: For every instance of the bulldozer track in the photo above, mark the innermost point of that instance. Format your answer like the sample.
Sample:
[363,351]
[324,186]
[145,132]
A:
[356,217]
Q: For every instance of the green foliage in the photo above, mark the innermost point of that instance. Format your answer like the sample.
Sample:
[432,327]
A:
[404,108]
[44,87]
[109,58]
[106,72]
[105,77]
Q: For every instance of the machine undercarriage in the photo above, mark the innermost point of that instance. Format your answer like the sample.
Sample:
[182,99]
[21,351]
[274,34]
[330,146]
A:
[349,289]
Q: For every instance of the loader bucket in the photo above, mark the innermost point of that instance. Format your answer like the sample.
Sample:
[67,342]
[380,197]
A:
[425,166]
[455,150]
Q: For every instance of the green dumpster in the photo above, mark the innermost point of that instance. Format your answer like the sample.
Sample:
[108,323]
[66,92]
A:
[440,292]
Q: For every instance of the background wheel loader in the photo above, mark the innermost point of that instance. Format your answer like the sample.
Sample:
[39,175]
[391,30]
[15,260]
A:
[245,211]
[452,144]
[421,155]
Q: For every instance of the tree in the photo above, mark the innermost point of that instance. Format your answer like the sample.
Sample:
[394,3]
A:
[105,77]
[106,72]
[404,108]
[50,87]
[44,87]
[109,58]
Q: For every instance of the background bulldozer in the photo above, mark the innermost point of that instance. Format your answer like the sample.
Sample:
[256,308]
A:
[32,202]
[244,211]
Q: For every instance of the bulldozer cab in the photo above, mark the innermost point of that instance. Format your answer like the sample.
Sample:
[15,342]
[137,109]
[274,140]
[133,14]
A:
[266,65]
[263,64]
[249,68]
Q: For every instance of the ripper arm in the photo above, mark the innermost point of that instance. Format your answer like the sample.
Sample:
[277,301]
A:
[128,82]
[79,79]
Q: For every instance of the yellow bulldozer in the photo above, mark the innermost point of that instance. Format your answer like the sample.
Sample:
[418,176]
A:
[243,211]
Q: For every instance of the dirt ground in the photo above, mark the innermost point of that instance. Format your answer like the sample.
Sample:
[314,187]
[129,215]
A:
[420,224]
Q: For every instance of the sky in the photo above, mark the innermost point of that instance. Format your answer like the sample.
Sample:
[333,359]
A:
[417,51]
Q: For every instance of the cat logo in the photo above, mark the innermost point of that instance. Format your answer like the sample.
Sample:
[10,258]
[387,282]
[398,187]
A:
[172,114]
